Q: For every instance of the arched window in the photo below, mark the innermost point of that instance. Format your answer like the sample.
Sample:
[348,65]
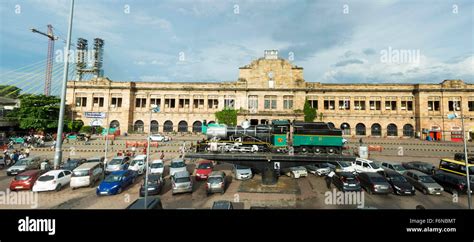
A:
[154,126]
[408,130]
[115,124]
[360,129]
[376,130]
[168,126]
[346,129]
[182,126]
[197,127]
[392,130]
[138,126]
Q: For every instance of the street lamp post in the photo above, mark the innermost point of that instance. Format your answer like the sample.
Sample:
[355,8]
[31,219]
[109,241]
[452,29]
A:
[466,162]
[154,108]
[107,127]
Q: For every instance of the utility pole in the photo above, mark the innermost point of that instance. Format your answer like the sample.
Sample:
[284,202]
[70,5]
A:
[49,62]
[154,109]
[59,139]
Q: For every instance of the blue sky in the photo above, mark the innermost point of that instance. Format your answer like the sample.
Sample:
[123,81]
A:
[217,37]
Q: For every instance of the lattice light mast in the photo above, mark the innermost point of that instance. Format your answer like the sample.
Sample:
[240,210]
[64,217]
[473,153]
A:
[81,57]
[49,62]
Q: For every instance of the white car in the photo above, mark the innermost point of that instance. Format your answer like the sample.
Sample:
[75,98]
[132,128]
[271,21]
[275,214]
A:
[159,138]
[157,166]
[296,172]
[242,172]
[52,180]
[177,165]
[363,165]
[138,164]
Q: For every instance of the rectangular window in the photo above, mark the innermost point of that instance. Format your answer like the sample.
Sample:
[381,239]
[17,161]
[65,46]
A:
[198,103]
[375,105]
[287,102]
[170,103]
[270,102]
[183,103]
[313,103]
[471,106]
[253,103]
[329,104]
[433,105]
[155,101]
[229,103]
[391,105]
[212,103]
[359,105]
[117,102]
[407,105]
[454,105]
[345,104]
[140,102]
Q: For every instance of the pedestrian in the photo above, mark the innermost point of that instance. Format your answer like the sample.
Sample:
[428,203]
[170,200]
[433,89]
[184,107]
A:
[360,141]
[54,145]
[162,156]
[119,153]
[27,152]
[329,179]
[144,151]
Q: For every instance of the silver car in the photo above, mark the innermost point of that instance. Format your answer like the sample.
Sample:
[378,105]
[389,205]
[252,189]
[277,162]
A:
[177,165]
[216,182]
[423,182]
[119,163]
[181,182]
[242,172]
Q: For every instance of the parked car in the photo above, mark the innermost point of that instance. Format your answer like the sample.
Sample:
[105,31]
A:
[177,165]
[342,166]
[138,164]
[242,172]
[216,182]
[320,169]
[25,180]
[155,184]
[346,181]
[363,165]
[97,159]
[115,182]
[452,182]
[374,182]
[222,205]
[296,172]
[30,163]
[153,202]
[423,182]
[424,167]
[398,167]
[118,163]
[400,185]
[86,174]
[159,138]
[52,180]
[157,166]
[71,164]
[181,182]
[203,169]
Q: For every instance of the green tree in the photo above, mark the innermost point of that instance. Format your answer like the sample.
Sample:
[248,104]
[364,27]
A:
[309,112]
[9,91]
[37,112]
[227,116]
[74,126]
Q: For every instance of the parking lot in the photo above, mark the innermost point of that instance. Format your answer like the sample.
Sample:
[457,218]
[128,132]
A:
[310,192]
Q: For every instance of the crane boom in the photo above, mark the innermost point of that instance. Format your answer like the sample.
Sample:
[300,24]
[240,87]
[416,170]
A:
[49,63]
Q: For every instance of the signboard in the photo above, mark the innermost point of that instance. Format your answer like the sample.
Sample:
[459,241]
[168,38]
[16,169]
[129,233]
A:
[94,114]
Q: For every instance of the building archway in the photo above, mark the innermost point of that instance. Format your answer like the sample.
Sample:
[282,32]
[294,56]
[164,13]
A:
[154,126]
[360,129]
[182,126]
[331,125]
[408,130]
[346,129]
[376,130]
[115,124]
[168,126]
[138,126]
[197,127]
[392,130]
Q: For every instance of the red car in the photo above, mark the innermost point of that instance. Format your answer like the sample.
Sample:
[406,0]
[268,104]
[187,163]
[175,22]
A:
[203,169]
[25,180]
